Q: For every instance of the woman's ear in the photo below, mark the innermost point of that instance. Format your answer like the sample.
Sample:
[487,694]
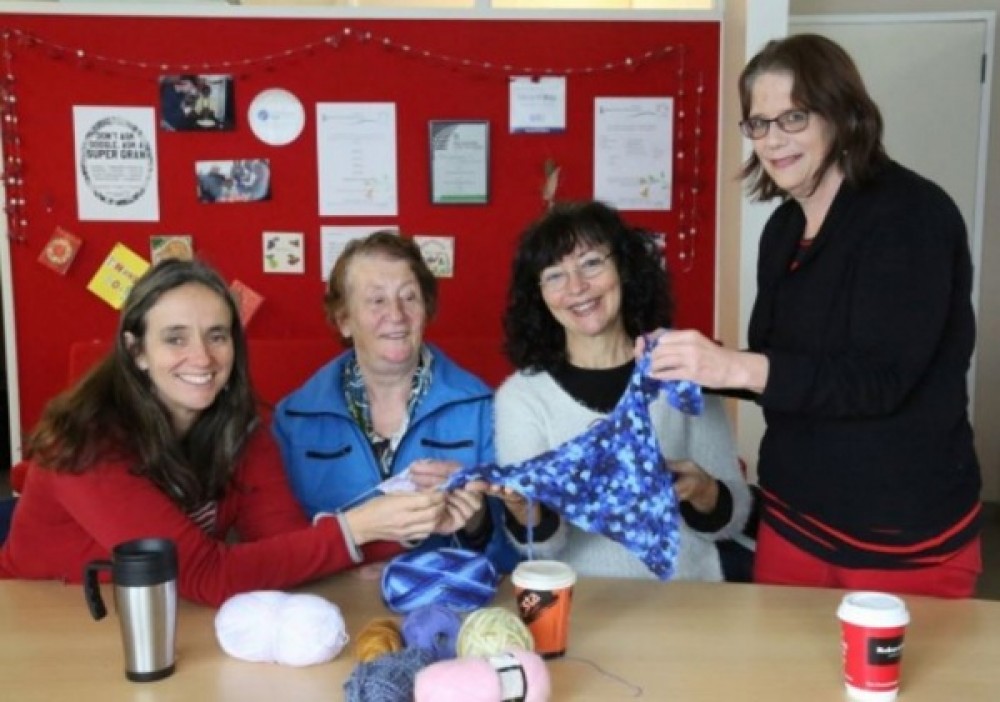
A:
[133,346]
[341,320]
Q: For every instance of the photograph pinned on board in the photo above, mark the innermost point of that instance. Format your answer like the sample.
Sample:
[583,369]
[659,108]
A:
[438,253]
[197,103]
[283,252]
[246,180]
[164,246]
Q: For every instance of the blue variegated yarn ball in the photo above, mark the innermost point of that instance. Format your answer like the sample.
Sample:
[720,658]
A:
[454,578]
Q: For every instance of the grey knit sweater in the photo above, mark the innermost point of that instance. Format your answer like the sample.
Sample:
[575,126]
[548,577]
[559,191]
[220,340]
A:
[534,414]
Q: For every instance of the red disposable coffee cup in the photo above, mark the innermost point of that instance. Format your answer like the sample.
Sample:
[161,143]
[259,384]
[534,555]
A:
[873,625]
[544,593]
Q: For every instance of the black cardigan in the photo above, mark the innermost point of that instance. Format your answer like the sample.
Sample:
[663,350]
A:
[869,341]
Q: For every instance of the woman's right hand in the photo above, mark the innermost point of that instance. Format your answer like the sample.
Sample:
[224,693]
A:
[690,355]
[396,517]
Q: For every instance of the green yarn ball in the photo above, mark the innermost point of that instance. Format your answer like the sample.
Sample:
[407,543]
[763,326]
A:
[493,630]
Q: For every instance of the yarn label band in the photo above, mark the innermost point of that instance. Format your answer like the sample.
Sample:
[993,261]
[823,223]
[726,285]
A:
[513,681]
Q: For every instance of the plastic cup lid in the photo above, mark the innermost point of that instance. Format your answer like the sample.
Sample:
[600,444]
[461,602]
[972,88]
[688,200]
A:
[873,609]
[543,575]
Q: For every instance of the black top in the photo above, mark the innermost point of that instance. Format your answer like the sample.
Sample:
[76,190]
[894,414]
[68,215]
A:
[868,444]
[599,389]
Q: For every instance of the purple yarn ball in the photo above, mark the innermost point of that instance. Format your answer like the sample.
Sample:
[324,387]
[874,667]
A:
[433,628]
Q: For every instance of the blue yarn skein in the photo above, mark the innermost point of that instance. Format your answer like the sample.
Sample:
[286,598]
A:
[388,678]
[432,628]
[451,577]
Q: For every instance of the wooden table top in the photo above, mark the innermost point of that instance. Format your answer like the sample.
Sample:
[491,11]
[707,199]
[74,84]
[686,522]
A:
[628,640]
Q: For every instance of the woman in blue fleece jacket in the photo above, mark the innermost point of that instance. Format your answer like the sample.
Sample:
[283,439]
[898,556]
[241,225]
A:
[391,407]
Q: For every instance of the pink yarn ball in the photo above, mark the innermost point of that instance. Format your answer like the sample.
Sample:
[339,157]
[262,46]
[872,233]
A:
[510,675]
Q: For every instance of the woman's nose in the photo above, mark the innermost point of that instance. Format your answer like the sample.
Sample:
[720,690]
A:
[198,352]
[774,136]
[576,283]
[397,309]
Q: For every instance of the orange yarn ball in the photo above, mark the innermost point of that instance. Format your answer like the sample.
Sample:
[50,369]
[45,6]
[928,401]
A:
[377,638]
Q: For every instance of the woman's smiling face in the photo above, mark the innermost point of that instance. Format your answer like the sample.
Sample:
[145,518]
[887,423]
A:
[791,160]
[187,351]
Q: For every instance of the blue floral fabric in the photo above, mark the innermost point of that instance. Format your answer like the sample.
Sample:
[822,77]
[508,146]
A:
[612,479]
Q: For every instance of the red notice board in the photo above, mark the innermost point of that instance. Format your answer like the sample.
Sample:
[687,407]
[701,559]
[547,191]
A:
[436,69]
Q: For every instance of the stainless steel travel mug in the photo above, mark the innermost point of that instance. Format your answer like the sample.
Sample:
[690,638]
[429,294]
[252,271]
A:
[144,577]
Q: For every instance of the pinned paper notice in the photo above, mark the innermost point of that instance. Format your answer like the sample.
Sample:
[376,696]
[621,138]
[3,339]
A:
[114,279]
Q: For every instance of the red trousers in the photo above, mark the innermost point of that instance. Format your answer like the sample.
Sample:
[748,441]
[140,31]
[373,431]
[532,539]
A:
[778,562]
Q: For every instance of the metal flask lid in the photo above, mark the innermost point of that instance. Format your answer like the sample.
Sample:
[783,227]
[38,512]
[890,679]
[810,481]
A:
[144,562]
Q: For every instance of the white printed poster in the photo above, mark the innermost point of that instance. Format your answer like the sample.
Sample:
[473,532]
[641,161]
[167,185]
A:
[116,164]
[357,158]
[537,105]
[633,154]
[333,240]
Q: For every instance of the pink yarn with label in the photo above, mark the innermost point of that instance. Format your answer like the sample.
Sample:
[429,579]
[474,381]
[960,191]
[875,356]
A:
[513,675]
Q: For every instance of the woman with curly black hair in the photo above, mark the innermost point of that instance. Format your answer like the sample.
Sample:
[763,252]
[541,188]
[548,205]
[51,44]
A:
[584,286]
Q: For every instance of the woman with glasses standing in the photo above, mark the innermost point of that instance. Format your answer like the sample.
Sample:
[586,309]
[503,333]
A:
[584,285]
[859,342]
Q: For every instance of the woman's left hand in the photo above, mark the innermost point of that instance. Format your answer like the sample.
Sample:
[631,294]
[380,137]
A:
[694,485]
[464,509]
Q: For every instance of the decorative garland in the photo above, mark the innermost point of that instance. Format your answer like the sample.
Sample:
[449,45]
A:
[13,164]
[688,140]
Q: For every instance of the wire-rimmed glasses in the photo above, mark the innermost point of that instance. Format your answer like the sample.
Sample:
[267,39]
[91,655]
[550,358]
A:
[590,265]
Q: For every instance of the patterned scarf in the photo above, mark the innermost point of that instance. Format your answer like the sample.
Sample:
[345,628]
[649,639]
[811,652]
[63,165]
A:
[358,405]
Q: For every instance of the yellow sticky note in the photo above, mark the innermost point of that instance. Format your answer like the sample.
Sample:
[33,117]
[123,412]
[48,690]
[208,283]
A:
[116,276]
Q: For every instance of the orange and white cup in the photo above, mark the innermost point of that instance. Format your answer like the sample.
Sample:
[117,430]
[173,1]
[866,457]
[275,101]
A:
[873,625]
[544,594]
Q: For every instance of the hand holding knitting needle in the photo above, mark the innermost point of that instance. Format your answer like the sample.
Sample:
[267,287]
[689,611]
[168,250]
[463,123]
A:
[464,509]
[525,512]
[397,517]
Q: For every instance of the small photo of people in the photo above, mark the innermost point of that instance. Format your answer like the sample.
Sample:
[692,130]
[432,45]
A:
[247,180]
[197,103]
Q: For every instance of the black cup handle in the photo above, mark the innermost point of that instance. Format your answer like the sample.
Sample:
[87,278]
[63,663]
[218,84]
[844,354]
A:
[92,588]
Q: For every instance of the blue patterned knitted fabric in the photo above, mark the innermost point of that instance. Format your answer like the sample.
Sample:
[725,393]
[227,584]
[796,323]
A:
[612,479]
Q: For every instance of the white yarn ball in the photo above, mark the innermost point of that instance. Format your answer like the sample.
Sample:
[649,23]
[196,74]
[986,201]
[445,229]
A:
[244,625]
[312,631]
[275,627]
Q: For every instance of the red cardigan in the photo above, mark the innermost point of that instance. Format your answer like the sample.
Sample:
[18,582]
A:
[63,521]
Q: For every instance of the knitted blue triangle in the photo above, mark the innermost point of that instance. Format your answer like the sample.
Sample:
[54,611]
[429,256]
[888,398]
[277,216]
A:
[612,479]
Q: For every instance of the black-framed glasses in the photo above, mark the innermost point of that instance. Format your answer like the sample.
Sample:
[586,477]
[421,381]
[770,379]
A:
[589,266]
[790,122]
